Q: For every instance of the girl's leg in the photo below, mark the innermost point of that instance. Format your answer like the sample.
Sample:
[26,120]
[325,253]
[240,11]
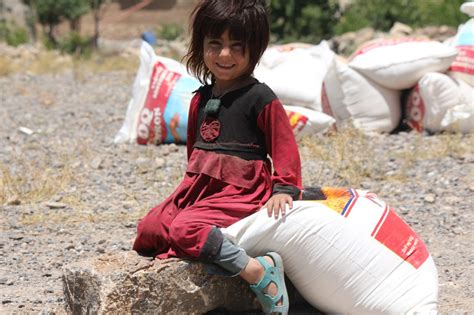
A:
[153,231]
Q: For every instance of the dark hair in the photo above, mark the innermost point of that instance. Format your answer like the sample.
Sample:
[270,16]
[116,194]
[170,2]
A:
[246,20]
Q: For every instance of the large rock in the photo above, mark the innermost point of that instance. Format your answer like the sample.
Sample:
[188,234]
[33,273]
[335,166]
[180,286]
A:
[127,283]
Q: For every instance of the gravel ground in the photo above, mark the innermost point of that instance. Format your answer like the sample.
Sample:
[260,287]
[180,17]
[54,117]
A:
[76,194]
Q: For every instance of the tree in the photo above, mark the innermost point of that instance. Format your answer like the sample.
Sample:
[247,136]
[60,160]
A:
[52,12]
[416,13]
[96,6]
[73,10]
[49,14]
[303,20]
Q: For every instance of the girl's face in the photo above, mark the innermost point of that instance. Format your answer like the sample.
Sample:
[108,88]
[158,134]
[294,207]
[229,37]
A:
[227,59]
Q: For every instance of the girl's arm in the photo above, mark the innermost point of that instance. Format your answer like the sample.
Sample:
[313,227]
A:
[282,147]
[192,121]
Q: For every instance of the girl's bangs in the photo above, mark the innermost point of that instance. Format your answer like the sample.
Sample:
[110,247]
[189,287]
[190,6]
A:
[237,29]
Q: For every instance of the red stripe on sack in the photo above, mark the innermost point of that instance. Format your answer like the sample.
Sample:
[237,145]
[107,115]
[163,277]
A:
[151,127]
[464,62]
[381,221]
[397,236]
[385,42]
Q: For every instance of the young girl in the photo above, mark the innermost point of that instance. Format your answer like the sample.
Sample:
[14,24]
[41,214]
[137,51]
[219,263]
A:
[235,123]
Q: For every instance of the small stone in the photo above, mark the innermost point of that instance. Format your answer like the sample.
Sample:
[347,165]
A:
[96,163]
[13,201]
[160,162]
[430,198]
[173,147]
[142,161]
[56,205]
[165,150]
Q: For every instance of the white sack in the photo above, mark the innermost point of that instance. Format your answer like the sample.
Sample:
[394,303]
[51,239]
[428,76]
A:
[296,75]
[305,121]
[441,103]
[158,110]
[399,63]
[347,255]
[350,97]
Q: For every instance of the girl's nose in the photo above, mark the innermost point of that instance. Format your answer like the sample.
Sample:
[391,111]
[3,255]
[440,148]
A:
[225,51]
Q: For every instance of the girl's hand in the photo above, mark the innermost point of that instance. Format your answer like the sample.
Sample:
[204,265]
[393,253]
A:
[277,204]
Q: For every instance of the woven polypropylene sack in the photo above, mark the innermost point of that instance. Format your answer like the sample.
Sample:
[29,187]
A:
[399,63]
[295,72]
[440,103]
[350,97]
[349,253]
[158,109]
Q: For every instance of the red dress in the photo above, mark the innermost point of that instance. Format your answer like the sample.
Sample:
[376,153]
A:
[228,177]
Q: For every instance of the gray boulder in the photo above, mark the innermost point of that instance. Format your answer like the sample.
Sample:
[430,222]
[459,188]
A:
[127,283]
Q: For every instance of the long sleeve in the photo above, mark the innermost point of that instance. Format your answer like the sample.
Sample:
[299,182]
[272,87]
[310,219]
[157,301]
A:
[281,146]
[192,118]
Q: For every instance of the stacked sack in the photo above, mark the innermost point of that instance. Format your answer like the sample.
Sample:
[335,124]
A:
[293,72]
[375,76]
[445,102]
[364,92]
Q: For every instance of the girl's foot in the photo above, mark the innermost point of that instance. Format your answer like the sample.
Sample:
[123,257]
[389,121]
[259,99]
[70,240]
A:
[271,289]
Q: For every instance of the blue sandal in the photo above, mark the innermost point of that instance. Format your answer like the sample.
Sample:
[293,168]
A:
[273,274]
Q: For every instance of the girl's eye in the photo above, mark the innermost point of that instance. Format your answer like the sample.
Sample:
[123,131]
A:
[214,43]
[238,47]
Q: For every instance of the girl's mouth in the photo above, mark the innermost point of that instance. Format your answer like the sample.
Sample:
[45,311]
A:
[225,66]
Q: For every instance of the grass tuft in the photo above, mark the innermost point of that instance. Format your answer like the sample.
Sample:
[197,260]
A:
[32,181]
[342,158]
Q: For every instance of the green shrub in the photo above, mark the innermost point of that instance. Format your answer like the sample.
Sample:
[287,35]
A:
[76,44]
[170,31]
[12,34]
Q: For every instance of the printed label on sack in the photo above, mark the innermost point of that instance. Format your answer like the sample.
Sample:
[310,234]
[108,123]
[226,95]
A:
[415,109]
[297,121]
[464,62]
[365,210]
[151,126]
[397,236]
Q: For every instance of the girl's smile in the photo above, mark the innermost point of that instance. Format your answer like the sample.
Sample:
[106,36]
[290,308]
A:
[227,59]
